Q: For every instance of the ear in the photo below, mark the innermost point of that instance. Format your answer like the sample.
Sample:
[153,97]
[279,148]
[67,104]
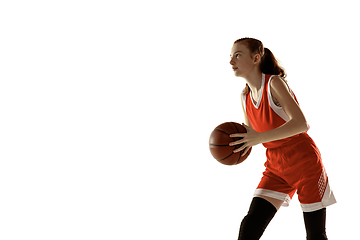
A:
[257,58]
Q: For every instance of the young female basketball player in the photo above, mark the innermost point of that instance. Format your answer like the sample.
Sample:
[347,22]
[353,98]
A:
[274,118]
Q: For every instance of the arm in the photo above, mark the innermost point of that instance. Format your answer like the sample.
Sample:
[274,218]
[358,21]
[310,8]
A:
[247,122]
[297,123]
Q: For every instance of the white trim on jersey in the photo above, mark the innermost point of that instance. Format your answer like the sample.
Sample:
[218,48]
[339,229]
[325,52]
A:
[261,93]
[278,110]
[243,96]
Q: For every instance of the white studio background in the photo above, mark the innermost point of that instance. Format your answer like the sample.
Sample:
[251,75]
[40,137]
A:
[107,106]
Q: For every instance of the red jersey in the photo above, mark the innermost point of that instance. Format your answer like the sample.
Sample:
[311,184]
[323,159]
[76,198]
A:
[266,115]
[296,165]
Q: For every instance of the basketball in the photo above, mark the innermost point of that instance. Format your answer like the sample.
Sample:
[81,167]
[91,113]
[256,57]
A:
[219,143]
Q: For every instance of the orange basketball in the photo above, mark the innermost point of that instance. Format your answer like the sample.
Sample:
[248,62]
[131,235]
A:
[219,143]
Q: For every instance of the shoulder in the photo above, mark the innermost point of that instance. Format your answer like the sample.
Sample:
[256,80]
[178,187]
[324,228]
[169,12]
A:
[278,88]
[278,84]
[276,81]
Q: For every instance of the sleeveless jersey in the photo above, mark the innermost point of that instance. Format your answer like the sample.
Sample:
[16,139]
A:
[265,115]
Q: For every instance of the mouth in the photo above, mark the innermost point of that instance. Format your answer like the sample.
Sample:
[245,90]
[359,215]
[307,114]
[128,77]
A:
[234,68]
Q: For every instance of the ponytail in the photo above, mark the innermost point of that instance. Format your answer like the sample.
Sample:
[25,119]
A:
[268,65]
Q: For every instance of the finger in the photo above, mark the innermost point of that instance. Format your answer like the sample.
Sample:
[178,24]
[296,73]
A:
[237,135]
[245,151]
[240,149]
[237,142]
[245,126]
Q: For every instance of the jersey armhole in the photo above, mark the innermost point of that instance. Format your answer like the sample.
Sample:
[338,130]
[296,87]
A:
[243,99]
[271,101]
[278,110]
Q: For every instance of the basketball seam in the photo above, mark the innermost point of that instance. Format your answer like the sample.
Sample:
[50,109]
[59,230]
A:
[235,127]
[225,145]
[241,152]
[216,145]
[222,131]
[226,157]
[228,145]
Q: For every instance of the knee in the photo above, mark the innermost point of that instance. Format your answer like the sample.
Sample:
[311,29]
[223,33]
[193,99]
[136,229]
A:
[315,224]
[255,222]
[252,227]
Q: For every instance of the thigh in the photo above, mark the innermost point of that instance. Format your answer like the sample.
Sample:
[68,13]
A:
[275,202]
[274,189]
[261,212]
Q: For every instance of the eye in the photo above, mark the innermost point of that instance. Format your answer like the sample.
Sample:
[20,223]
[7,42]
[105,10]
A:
[236,55]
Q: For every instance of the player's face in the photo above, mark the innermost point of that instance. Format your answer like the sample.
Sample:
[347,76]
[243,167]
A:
[241,60]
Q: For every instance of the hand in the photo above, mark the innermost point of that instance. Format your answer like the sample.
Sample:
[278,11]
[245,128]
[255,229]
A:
[249,139]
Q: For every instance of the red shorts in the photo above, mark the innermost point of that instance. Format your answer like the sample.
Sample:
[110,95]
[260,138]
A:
[296,166]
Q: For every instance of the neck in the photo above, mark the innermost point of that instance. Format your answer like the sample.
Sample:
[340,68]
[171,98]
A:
[254,80]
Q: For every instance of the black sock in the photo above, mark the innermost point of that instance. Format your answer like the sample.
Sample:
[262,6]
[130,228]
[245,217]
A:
[315,224]
[255,222]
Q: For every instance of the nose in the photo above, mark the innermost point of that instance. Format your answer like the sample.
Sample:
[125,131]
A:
[232,61]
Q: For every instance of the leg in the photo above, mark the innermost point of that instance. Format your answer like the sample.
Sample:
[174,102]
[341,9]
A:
[315,224]
[276,202]
[255,222]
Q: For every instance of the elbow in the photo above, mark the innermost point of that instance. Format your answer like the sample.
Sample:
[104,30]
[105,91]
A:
[305,127]
[301,126]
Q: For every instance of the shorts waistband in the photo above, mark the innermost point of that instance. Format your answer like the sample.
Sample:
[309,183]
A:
[300,138]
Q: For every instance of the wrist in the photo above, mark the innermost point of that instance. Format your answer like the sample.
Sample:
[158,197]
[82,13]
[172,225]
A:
[263,137]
